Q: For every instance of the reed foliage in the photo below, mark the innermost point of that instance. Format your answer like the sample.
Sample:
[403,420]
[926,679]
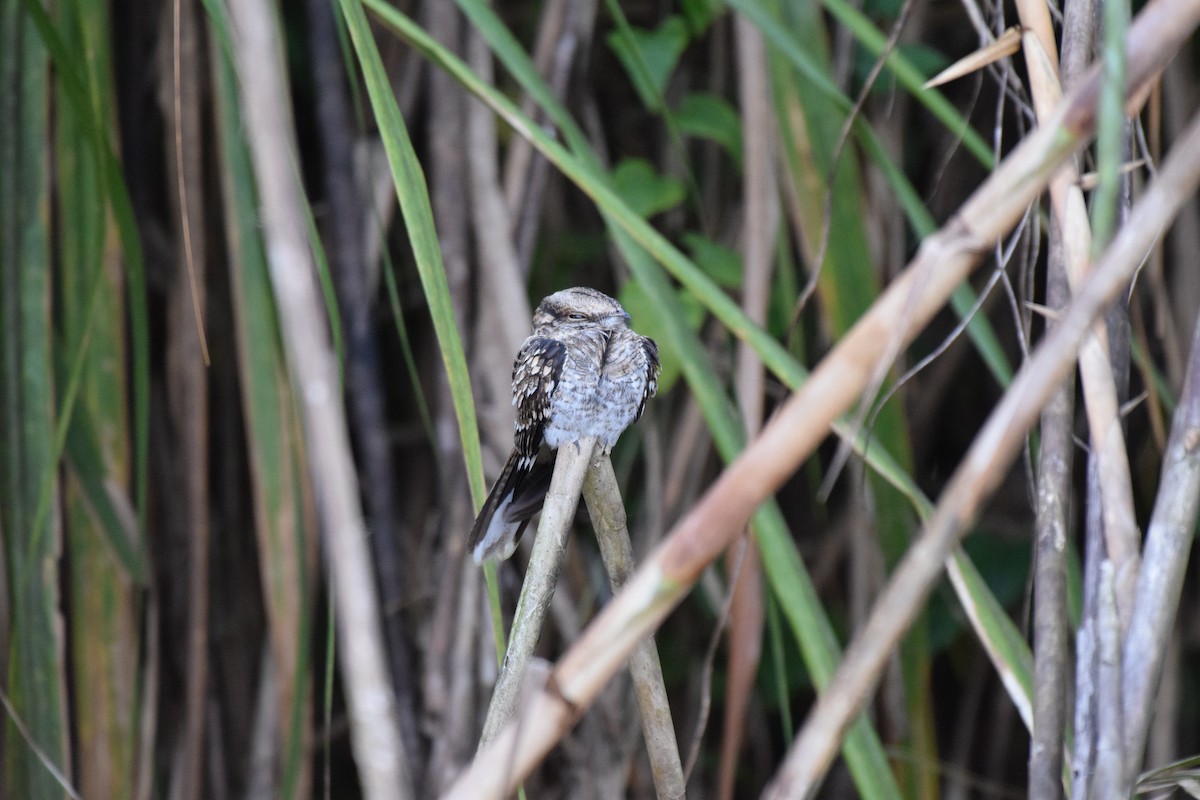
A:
[263,270]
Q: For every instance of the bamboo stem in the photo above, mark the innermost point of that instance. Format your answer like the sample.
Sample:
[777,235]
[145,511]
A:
[541,576]
[603,498]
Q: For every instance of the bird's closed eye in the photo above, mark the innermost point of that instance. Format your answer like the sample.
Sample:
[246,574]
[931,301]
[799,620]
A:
[576,317]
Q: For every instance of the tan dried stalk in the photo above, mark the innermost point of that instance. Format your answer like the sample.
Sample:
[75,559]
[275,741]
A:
[1095,370]
[541,576]
[576,472]
[374,734]
[607,511]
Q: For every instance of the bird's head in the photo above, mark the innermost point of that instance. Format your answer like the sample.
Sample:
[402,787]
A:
[580,307]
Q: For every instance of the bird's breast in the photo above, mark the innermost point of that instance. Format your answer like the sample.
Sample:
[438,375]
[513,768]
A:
[601,387]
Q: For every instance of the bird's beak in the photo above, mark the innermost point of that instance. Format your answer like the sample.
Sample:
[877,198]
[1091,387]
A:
[617,320]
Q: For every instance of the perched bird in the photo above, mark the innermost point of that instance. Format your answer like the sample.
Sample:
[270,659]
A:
[583,372]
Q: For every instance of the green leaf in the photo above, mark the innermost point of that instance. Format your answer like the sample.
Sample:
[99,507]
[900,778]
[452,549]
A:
[719,262]
[649,57]
[644,190]
[700,14]
[707,116]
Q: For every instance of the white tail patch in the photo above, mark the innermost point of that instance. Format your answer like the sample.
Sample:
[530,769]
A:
[499,541]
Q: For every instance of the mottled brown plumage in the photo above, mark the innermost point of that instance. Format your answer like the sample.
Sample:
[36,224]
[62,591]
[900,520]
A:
[583,372]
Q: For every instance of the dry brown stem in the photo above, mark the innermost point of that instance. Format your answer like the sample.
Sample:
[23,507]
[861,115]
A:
[760,226]
[541,576]
[1100,391]
[1051,629]
[1109,782]
[1169,538]
[607,511]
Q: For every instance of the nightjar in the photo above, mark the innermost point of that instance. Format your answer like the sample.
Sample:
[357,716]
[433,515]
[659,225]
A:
[583,372]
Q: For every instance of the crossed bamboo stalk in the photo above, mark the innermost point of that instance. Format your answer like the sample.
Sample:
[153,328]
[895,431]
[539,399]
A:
[582,469]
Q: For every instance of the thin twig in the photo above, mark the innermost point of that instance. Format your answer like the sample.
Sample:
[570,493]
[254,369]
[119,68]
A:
[1050,625]
[710,656]
[187,387]
[179,41]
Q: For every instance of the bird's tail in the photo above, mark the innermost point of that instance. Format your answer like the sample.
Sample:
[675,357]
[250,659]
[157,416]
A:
[516,496]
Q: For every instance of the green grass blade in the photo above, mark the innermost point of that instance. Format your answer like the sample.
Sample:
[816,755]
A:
[410,361]
[785,570]
[76,88]
[1000,637]
[34,672]
[115,523]
[418,217]
[847,285]
[1111,128]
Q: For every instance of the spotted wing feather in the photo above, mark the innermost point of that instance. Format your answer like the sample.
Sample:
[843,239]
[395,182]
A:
[653,367]
[519,491]
[536,376]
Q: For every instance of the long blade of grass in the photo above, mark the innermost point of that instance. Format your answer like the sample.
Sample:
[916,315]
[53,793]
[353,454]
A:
[788,577]
[106,568]
[418,217]
[105,495]
[1110,126]
[34,670]
[77,90]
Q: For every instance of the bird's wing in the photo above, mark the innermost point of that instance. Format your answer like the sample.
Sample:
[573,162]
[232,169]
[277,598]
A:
[653,367]
[536,375]
[518,492]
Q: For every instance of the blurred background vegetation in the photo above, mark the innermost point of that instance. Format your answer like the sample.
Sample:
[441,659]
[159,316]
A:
[165,623]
